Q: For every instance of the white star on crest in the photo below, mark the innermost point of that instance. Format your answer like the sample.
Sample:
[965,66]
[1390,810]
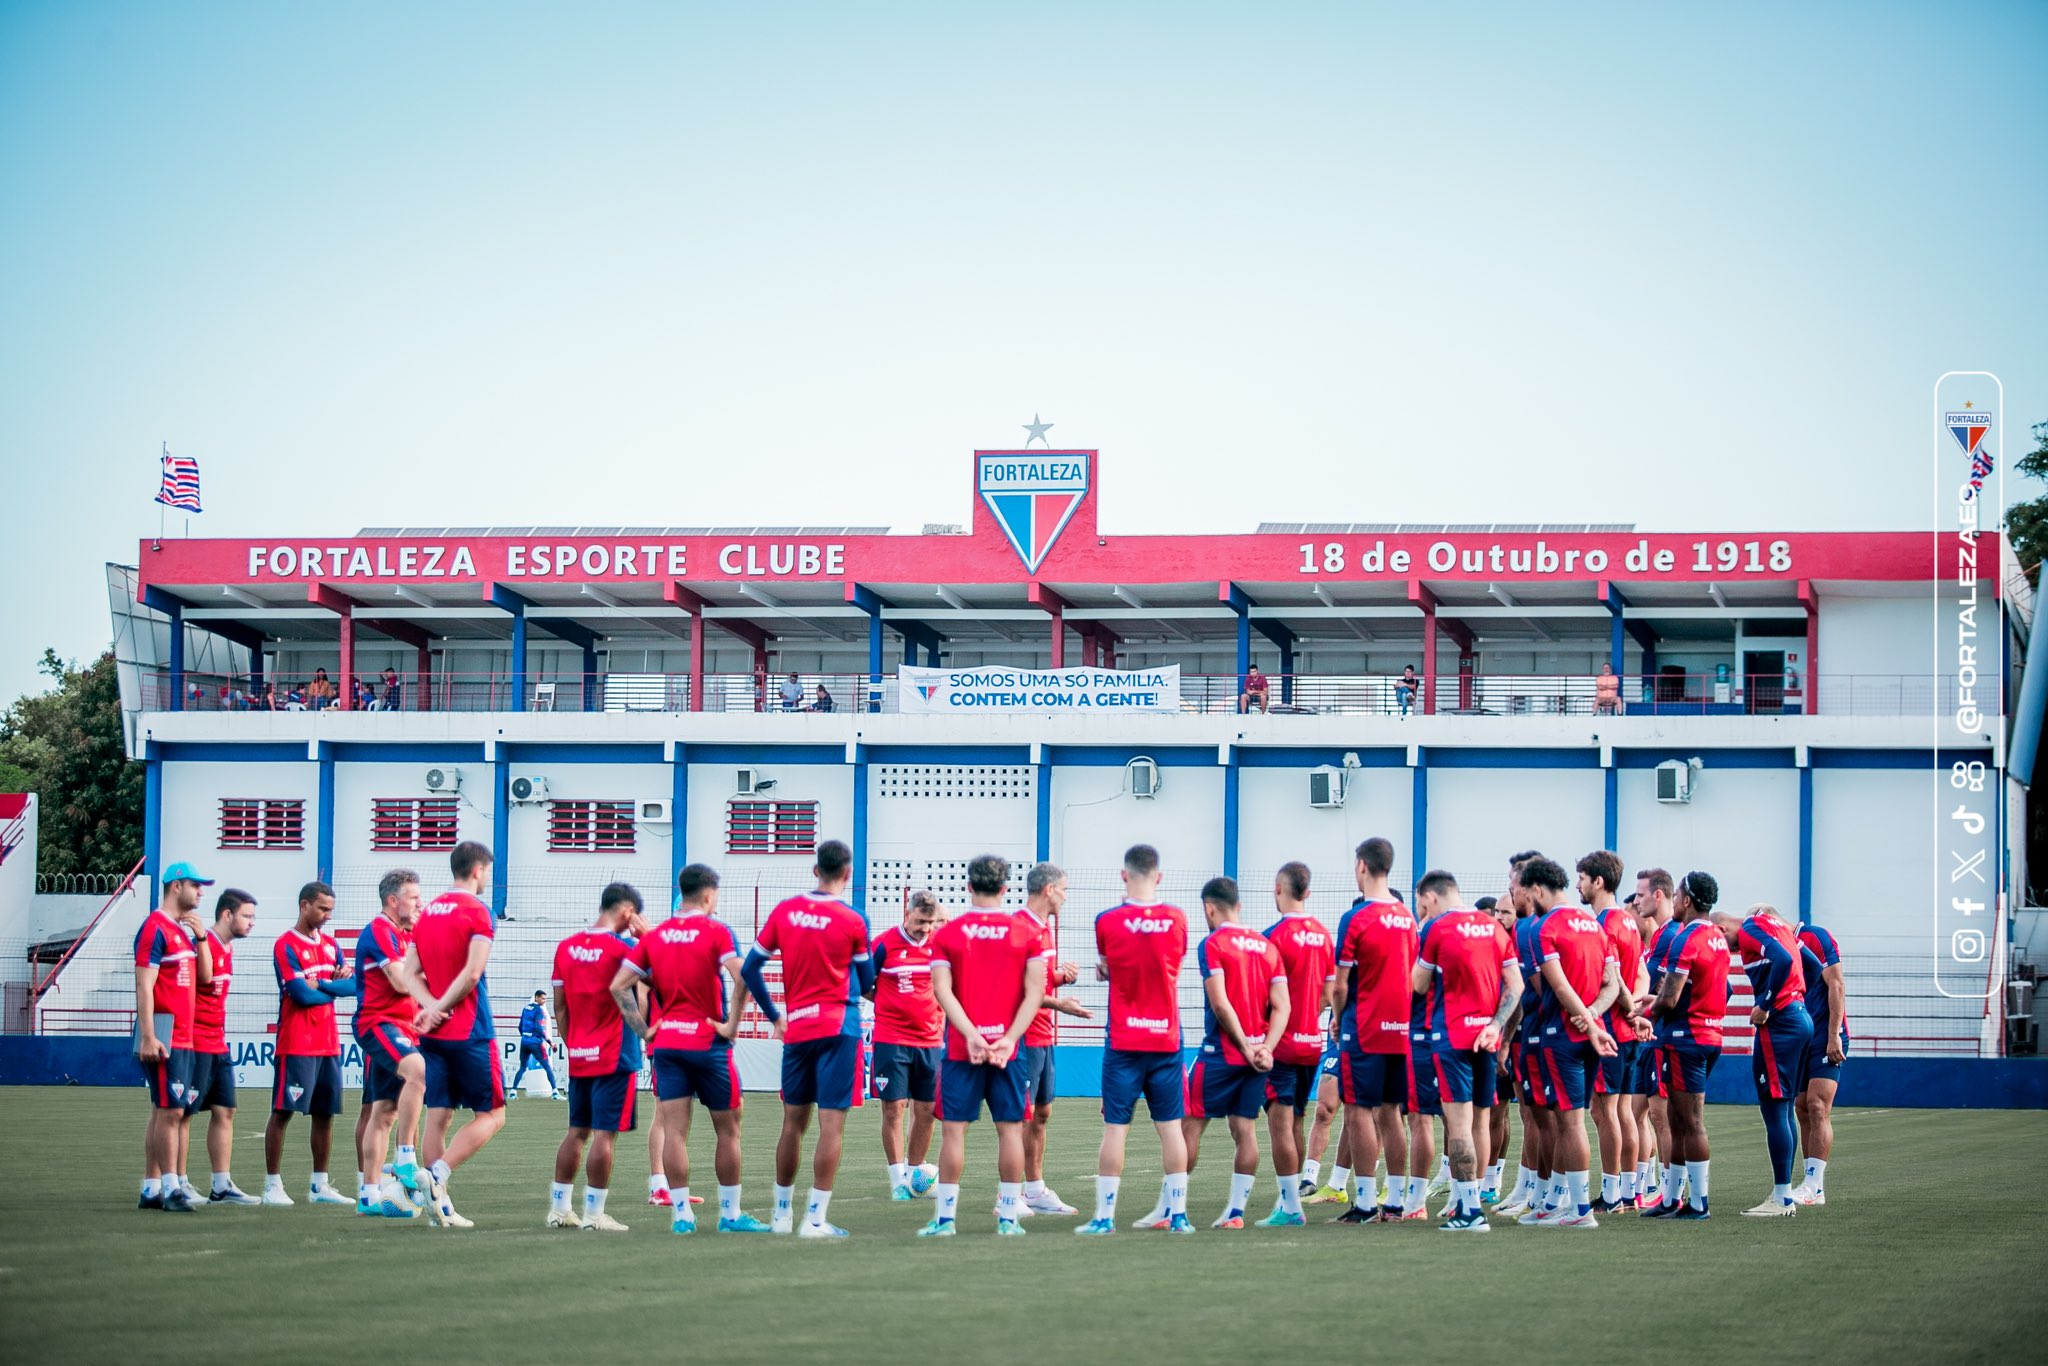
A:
[1038,430]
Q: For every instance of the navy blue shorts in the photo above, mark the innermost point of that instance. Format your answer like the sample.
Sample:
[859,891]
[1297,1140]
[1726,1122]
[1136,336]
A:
[1779,1057]
[963,1086]
[906,1071]
[213,1081]
[1465,1076]
[822,1072]
[605,1102]
[1505,1085]
[1642,1077]
[1683,1070]
[1127,1075]
[1611,1076]
[708,1074]
[1372,1079]
[169,1080]
[307,1086]
[1818,1068]
[1036,1060]
[1424,1097]
[463,1074]
[1219,1090]
[384,1046]
[1293,1084]
[1567,1068]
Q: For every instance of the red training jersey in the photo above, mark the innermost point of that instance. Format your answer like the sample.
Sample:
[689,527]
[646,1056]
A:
[441,936]
[1376,944]
[1467,951]
[906,1008]
[1702,955]
[596,1034]
[1793,989]
[1625,938]
[1308,955]
[380,944]
[988,953]
[210,1002]
[1040,1033]
[1248,964]
[306,1031]
[162,943]
[1141,945]
[683,962]
[820,939]
[1572,939]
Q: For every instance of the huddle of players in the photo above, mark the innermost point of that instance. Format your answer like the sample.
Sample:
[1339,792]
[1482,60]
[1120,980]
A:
[423,1021]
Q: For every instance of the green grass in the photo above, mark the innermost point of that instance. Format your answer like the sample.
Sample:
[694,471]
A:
[1924,1255]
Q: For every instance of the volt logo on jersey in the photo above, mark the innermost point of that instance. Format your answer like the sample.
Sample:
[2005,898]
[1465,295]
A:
[1032,495]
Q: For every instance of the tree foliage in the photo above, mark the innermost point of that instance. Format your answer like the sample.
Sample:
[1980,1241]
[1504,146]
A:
[65,745]
[2026,524]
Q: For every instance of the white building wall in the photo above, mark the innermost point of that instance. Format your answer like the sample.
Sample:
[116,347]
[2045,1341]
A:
[1873,858]
[1479,816]
[1095,819]
[563,887]
[192,793]
[1276,825]
[358,786]
[751,884]
[1742,825]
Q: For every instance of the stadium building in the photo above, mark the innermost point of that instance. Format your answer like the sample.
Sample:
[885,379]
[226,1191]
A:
[602,702]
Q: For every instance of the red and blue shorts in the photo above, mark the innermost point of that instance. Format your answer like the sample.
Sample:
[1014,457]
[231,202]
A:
[1218,1089]
[606,1103]
[906,1071]
[169,1080]
[707,1074]
[1567,1066]
[1372,1079]
[1425,1093]
[1128,1074]
[307,1085]
[963,1086]
[1683,1070]
[384,1047]
[1464,1076]
[463,1074]
[1293,1084]
[823,1072]
[1780,1053]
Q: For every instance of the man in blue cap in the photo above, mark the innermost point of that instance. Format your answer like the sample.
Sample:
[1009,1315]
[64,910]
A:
[166,984]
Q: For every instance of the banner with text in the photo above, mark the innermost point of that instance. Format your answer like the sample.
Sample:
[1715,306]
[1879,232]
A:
[1000,688]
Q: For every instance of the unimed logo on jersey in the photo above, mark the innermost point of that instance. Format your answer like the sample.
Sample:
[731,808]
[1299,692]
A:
[1032,495]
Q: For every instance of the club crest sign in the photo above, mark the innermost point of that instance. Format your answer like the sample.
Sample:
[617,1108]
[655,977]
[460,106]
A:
[1032,495]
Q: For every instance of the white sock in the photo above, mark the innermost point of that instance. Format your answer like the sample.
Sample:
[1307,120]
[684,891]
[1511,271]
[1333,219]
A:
[406,1154]
[593,1200]
[1418,1192]
[949,1200]
[270,1183]
[1105,1196]
[1159,1210]
[1555,1190]
[1443,1168]
[728,1202]
[1642,1176]
[1494,1172]
[1009,1199]
[1610,1187]
[815,1207]
[1340,1181]
[657,1183]
[899,1174]
[1674,1179]
[1464,1196]
[441,1170]
[222,1181]
[1525,1182]
[155,1186]
[1176,1193]
[1816,1172]
[1696,1174]
[1782,1192]
[1311,1170]
[784,1197]
[359,1179]
[559,1194]
[1241,1190]
[320,1180]
[1033,1189]
[1627,1182]
[679,1196]
[1290,1193]
[1577,1186]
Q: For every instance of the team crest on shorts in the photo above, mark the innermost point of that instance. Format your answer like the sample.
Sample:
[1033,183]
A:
[1032,495]
[881,1083]
[295,1091]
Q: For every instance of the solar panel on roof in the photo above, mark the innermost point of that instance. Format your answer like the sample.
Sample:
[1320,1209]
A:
[867,531]
[688,530]
[554,531]
[1610,526]
[821,531]
[642,530]
[597,531]
[1279,528]
[1563,526]
[1456,527]
[380,531]
[1325,528]
[1421,528]
[1373,528]
[777,531]
[1516,526]
[732,531]
[473,531]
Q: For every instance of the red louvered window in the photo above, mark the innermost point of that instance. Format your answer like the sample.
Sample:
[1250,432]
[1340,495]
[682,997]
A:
[771,827]
[590,827]
[257,823]
[403,824]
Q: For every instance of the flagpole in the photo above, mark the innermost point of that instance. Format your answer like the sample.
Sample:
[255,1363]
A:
[161,510]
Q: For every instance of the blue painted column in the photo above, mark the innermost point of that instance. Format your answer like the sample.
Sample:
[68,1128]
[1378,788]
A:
[874,663]
[931,653]
[679,814]
[152,821]
[1231,773]
[1806,845]
[590,675]
[1418,824]
[323,827]
[1044,822]
[1617,635]
[1244,652]
[1287,673]
[860,818]
[1610,781]
[518,657]
[177,616]
[256,670]
[501,825]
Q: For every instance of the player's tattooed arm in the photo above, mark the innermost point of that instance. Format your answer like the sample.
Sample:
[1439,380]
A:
[1668,992]
[1510,995]
[626,992]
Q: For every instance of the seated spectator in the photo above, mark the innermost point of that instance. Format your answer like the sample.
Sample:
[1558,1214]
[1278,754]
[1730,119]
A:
[1254,694]
[1607,691]
[391,690]
[295,699]
[792,695]
[320,692]
[1405,688]
[823,701]
[366,696]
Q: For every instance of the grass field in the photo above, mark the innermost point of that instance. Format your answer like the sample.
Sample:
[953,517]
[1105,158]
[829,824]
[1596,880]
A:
[1923,1256]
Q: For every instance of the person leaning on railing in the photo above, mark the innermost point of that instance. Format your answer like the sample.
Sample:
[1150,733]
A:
[320,692]
[1607,691]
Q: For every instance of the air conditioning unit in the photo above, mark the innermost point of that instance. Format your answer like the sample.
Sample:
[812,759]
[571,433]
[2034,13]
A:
[443,780]
[1676,779]
[527,791]
[1325,788]
[744,780]
[1144,777]
[654,811]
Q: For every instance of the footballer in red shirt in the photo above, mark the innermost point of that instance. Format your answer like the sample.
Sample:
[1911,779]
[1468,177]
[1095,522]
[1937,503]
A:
[1599,880]
[1045,892]
[604,1057]
[1245,1008]
[394,1073]
[1376,946]
[311,972]
[213,1072]
[1139,947]
[689,966]
[450,951]
[1466,970]
[826,969]
[1691,1001]
[907,1039]
[988,971]
[166,976]
[1580,981]
[1308,955]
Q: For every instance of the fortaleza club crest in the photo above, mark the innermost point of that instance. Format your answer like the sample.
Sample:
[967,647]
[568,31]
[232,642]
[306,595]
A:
[1969,428]
[1032,495]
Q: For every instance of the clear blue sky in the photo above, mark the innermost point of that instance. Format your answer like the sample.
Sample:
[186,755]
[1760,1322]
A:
[429,264]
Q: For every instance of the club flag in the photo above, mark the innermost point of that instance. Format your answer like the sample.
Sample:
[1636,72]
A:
[181,483]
